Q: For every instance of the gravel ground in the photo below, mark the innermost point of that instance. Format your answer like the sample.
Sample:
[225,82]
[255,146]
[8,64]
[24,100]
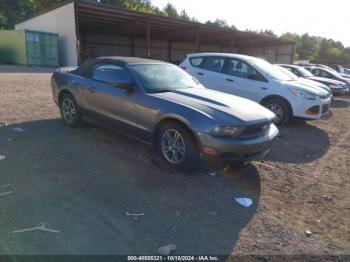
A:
[83,182]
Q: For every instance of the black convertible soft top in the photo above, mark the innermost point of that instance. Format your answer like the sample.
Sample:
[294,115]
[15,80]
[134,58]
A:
[121,60]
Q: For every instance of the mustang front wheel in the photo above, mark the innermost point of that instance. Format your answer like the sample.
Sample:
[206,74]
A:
[177,147]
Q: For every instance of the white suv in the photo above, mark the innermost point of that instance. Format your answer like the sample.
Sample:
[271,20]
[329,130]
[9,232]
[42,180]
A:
[260,81]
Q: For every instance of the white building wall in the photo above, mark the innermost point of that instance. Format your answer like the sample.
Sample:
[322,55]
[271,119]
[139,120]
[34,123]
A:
[62,22]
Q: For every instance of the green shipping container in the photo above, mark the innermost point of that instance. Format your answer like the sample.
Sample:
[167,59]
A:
[29,48]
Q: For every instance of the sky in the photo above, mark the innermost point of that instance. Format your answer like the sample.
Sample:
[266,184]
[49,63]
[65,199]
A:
[326,18]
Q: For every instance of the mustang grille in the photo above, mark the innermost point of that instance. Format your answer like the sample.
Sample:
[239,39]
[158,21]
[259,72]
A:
[255,130]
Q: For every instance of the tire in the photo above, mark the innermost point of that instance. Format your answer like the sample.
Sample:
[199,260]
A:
[70,111]
[281,110]
[183,155]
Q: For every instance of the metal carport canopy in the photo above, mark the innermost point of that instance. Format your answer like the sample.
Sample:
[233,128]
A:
[97,18]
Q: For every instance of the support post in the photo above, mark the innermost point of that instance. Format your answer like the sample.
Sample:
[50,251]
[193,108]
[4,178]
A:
[169,51]
[293,54]
[77,33]
[197,39]
[148,38]
[132,46]
[277,52]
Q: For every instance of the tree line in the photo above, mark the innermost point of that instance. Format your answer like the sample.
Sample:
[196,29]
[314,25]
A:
[308,47]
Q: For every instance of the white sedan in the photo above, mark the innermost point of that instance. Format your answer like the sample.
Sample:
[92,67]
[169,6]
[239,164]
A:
[260,81]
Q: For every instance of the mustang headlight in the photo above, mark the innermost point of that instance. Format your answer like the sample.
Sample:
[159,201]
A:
[303,94]
[224,130]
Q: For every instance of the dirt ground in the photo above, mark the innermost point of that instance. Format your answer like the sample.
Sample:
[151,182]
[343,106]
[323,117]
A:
[86,182]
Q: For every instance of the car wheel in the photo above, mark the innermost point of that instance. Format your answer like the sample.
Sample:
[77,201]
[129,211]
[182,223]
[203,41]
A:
[70,111]
[281,110]
[177,147]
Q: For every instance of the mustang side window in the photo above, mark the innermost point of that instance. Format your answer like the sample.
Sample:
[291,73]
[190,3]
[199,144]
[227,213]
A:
[111,74]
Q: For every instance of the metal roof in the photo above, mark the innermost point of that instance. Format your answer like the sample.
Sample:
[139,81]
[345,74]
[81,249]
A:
[109,19]
[98,18]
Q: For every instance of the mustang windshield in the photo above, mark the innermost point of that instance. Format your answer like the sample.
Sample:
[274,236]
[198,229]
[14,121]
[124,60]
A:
[163,77]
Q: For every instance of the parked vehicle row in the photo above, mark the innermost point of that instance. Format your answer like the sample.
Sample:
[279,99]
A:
[328,73]
[337,87]
[258,80]
[218,106]
[304,80]
[337,69]
[341,70]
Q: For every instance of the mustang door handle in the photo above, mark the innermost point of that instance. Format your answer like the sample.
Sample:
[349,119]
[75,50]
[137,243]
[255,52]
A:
[264,88]
[229,80]
[92,89]
[200,73]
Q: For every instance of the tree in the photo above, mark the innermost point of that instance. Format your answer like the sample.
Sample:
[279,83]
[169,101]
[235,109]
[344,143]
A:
[42,5]
[3,21]
[220,23]
[185,16]
[267,33]
[263,32]
[170,10]
[291,37]
[13,11]
[345,53]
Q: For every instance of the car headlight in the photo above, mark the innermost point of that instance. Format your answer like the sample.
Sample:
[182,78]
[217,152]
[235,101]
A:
[224,130]
[303,94]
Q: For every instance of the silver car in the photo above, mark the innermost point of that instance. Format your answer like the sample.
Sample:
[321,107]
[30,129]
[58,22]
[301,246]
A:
[162,105]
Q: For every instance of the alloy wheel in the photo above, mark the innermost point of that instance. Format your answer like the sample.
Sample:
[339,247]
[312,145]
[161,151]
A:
[277,109]
[68,110]
[173,146]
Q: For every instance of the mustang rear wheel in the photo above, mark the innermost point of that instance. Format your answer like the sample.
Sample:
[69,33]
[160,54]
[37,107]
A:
[70,111]
[177,147]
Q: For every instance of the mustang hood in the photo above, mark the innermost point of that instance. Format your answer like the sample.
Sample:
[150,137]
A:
[219,105]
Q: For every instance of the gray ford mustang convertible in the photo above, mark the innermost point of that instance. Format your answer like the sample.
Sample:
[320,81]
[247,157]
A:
[161,104]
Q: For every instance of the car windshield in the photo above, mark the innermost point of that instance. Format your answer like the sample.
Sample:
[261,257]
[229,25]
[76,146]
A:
[329,68]
[304,73]
[332,72]
[286,71]
[270,70]
[164,77]
[341,69]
